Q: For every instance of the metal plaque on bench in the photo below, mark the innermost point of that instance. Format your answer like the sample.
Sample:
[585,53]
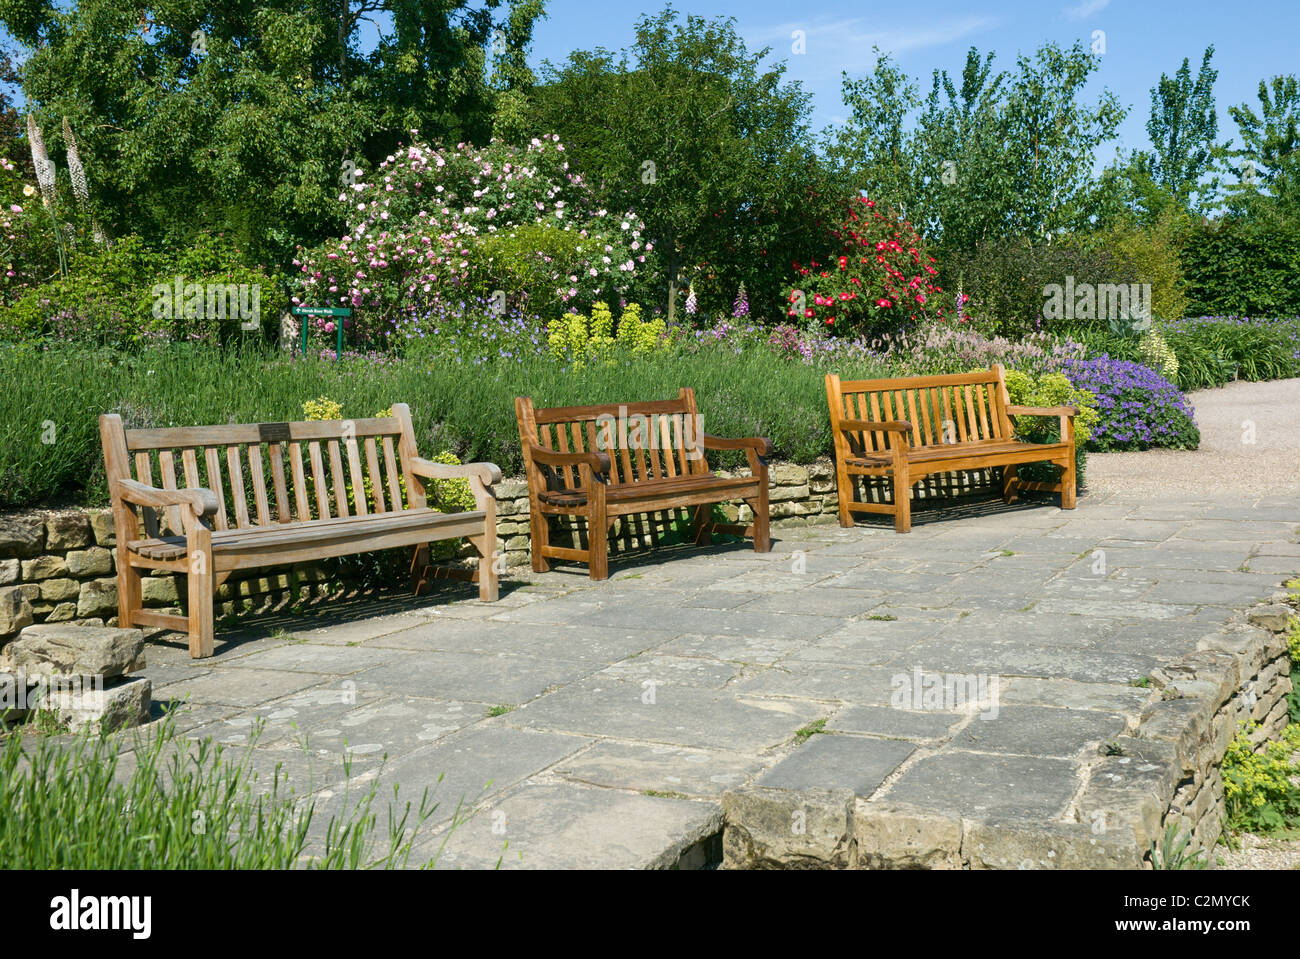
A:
[273,432]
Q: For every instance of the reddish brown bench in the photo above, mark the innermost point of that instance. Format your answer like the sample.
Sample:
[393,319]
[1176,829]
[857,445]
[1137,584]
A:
[603,462]
[271,494]
[907,428]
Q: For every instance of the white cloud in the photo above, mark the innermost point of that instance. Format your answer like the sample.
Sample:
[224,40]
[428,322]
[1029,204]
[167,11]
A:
[857,34]
[1086,8]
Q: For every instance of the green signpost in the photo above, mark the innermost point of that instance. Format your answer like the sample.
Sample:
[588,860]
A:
[341,312]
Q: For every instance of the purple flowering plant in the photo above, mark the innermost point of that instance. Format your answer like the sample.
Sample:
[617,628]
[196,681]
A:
[1139,408]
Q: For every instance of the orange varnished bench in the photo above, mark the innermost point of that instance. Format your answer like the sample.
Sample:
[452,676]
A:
[908,428]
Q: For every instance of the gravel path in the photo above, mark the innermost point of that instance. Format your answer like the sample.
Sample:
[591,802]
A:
[1226,460]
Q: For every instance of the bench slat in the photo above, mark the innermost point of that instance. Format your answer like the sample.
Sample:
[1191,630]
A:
[336,476]
[318,480]
[376,478]
[301,508]
[167,469]
[282,510]
[567,414]
[390,468]
[237,486]
[257,470]
[243,434]
[144,474]
[354,471]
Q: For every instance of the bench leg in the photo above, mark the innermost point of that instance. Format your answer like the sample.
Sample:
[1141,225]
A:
[129,590]
[1010,480]
[902,500]
[702,524]
[539,538]
[762,523]
[844,493]
[1068,490]
[597,533]
[487,570]
[202,586]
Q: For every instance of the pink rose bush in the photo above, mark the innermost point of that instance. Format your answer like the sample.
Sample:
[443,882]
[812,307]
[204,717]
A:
[437,225]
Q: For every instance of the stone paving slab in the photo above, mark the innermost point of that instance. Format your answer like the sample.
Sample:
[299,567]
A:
[603,722]
[563,826]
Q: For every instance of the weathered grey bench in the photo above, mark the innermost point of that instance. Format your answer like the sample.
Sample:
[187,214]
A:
[272,494]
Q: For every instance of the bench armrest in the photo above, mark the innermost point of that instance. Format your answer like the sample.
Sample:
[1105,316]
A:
[489,474]
[888,426]
[1041,410]
[599,462]
[761,444]
[202,502]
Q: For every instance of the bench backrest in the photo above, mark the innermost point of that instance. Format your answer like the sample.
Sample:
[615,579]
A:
[943,410]
[645,441]
[268,473]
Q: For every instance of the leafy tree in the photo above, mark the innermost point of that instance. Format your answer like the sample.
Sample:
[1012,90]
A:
[243,116]
[1183,127]
[874,147]
[993,154]
[1270,154]
[709,147]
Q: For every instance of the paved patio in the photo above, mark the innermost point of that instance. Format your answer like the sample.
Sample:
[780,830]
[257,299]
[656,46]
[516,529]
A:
[633,703]
[585,724]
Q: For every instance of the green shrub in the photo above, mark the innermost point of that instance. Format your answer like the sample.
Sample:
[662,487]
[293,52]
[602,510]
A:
[1151,254]
[1052,389]
[578,339]
[1257,786]
[1243,267]
[127,294]
[1007,279]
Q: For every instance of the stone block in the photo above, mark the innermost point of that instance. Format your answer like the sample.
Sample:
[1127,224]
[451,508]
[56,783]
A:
[21,535]
[118,706]
[95,561]
[102,528]
[47,650]
[897,836]
[1273,618]
[15,610]
[59,590]
[161,590]
[64,531]
[788,829]
[98,598]
[44,567]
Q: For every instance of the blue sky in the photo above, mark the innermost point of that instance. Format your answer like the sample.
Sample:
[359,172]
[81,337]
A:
[1253,39]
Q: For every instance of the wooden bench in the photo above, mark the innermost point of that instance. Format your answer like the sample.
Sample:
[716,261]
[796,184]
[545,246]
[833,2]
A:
[603,462]
[350,486]
[911,427]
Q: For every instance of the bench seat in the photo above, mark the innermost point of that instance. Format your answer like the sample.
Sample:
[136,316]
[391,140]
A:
[670,489]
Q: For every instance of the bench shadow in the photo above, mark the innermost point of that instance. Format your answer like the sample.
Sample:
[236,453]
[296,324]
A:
[930,510]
